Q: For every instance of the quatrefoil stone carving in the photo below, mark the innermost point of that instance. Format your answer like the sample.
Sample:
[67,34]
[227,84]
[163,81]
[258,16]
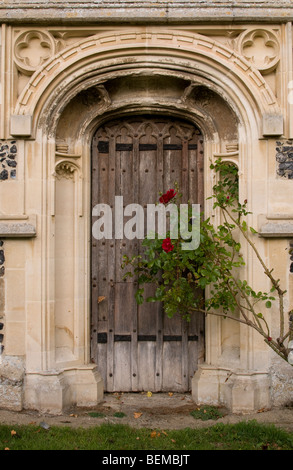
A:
[261,48]
[32,49]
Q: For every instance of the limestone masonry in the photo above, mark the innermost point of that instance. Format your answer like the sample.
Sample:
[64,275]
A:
[69,72]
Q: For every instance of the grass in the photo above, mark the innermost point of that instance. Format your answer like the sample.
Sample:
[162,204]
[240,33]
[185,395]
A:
[206,412]
[241,436]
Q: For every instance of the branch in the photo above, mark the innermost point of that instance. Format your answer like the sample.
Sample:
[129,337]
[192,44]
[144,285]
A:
[268,273]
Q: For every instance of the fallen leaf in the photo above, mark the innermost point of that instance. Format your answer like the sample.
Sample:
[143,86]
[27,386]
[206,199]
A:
[13,432]
[261,410]
[73,415]
[170,394]
[173,440]
[6,448]
[137,415]
[149,394]
[100,299]
[153,434]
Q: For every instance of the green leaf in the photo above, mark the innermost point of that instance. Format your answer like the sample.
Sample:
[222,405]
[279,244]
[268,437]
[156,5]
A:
[268,304]
[139,297]
[253,230]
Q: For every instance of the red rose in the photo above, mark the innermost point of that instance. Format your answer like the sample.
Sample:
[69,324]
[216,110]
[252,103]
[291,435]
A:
[165,198]
[167,245]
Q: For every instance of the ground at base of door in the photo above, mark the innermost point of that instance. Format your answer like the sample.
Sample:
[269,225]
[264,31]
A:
[151,410]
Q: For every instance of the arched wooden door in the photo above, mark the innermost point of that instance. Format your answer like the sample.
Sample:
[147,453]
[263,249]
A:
[137,348]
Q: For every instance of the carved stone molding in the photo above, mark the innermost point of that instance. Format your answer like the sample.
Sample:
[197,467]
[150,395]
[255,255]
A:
[15,226]
[260,47]
[65,169]
[126,11]
[32,49]
[103,47]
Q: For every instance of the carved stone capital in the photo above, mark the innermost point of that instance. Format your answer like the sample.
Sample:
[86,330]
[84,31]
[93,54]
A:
[65,169]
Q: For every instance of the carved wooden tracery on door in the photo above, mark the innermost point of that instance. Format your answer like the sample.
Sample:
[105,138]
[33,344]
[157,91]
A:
[138,348]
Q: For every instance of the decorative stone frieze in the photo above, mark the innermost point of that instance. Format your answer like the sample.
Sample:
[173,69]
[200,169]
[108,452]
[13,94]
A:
[8,159]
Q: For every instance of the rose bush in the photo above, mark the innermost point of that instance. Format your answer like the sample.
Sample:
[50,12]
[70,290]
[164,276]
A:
[179,275]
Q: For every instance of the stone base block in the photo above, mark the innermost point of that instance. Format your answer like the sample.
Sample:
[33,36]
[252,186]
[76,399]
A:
[240,392]
[55,391]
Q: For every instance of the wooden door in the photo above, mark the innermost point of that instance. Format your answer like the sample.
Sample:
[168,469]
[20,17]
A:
[137,348]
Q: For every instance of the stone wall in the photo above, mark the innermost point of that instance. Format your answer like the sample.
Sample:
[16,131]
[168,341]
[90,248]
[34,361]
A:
[284,158]
[8,159]
[67,67]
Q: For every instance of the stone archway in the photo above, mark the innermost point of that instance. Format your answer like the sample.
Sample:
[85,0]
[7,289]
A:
[61,107]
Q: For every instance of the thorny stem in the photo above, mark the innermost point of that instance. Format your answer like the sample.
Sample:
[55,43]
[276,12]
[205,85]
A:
[242,292]
[268,273]
[247,322]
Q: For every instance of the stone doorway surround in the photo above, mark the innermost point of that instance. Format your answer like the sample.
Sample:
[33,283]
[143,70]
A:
[71,92]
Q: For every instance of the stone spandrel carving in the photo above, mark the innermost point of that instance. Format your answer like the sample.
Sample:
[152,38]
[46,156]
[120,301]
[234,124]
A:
[32,49]
[8,160]
[260,47]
